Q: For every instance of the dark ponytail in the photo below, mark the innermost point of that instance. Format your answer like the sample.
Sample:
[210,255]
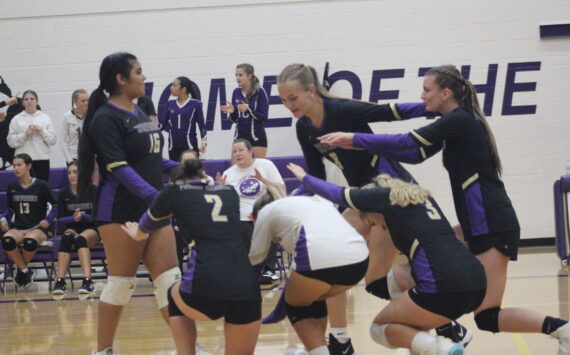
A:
[185,82]
[190,169]
[448,77]
[113,64]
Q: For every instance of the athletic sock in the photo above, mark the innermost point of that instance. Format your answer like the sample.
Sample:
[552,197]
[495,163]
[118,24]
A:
[551,324]
[341,334]
[423,342]
[321,350]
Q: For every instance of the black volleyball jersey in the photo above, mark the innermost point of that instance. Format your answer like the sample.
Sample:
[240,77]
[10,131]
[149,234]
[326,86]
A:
[30,204]
[439,262]
[344,115]
[125,139]
[219,266]
[480,198]
[68,202]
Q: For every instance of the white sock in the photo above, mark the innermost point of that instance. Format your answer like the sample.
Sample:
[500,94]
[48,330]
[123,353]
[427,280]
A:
[341,334]
[424,342]
[25,269]
[321,350]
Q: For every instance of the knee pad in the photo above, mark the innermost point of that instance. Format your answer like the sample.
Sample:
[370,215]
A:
[379,288]
[393,287]
[319,309]
[488,319]
[30,244]
[118,290]
[80,242]
[378,334]
[163,282]
[173,310]
[296,314]
[66,242]
[8,243]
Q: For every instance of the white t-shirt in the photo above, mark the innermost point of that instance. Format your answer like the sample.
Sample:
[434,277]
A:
[38,144]
[248,187]
[70,132]
[328,240]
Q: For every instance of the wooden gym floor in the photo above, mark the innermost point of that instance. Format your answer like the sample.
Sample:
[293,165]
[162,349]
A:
[31,322]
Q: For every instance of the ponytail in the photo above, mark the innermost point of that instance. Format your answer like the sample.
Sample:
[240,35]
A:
[448,77]
[190,169]
[273,193]
[306,75]
[255,84]
[113,64]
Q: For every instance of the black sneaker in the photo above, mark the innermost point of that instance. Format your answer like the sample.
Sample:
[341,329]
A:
[337,348]
[19,278]
[59,288]
[28,279]
[267,278]
[87,286]
[456,333]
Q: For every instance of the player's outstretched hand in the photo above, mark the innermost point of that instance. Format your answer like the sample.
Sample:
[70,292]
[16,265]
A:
[342,139]
[132,229]
[227,108]
[219,179]
[298,171]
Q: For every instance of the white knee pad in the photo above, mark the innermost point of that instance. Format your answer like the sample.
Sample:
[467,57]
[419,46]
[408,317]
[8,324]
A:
[393,288]
[118,290]
[377,333]
[163,283]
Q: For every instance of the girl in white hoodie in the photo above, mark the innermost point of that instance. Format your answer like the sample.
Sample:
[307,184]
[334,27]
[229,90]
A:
[32,132]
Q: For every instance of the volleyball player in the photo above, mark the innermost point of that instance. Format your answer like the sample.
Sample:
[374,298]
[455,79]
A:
[220,281]
[74,218]
[449,280]
[319,113]
[128,147]
[483,208]
[330,257]
[248,109]
[28,200]
[182,117]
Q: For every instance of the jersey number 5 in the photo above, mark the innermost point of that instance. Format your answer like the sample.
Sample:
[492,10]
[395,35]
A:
[217,201]
[154,143]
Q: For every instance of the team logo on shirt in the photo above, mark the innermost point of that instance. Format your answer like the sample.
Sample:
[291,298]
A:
[250,187]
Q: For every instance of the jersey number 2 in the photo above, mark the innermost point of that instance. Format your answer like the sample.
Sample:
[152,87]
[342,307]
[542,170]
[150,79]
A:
[154,143]
[217,201]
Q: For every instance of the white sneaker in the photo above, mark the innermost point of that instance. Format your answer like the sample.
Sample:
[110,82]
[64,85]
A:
[106,351]
[200,350]
[563,336]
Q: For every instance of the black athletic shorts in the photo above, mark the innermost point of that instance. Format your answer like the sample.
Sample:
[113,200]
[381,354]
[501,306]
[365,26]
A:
[234,312]
[82,228]
[451,305]
[260,142]
[505,242]
[346,275]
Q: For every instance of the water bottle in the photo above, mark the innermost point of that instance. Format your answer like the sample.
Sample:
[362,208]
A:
[567,170]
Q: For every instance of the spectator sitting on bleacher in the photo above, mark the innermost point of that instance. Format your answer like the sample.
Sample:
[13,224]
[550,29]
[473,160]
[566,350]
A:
[32,132]
[28,200]
[74,217]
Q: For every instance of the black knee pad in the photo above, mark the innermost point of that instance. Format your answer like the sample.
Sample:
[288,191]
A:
[319,309]
[379,288]
[66,242]
[80,242]
[488,319]
[173,310]
[8,243]
[296,314]
[30,244]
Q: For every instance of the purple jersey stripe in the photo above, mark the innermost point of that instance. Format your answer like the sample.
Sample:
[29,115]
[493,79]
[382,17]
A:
[188,277]
[302,253]
[106,199]
[384,167]
[476,210]
[422,270]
